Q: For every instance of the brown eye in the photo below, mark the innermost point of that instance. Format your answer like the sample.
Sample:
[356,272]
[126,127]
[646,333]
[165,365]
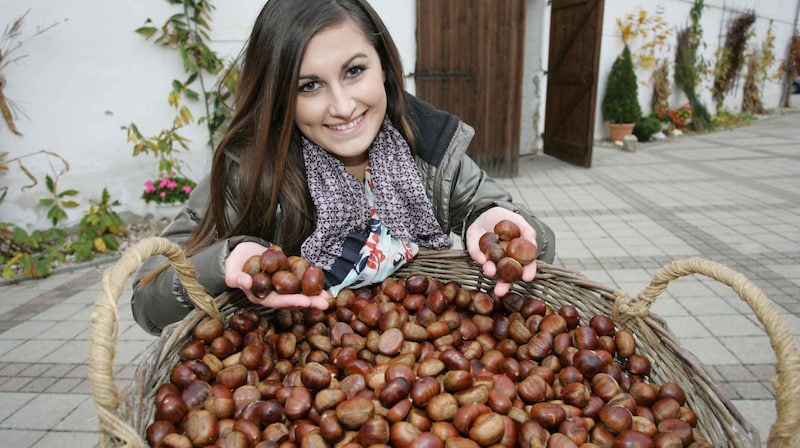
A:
[308,87]
[355,70]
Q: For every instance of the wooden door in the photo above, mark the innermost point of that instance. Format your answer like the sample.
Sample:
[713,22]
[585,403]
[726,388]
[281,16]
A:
[469,63]
[575,32]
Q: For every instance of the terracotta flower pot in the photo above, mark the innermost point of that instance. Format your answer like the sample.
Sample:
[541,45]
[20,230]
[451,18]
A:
[618,131]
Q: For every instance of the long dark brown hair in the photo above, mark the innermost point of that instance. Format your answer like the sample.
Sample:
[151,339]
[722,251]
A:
[258,166]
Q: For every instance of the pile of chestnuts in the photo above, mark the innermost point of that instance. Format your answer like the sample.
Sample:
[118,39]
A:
[417,362]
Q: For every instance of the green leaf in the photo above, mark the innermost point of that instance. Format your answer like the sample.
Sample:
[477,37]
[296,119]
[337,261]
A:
[55,215]
[8,269]
[186,115]
[68,193]
[111,242]
[50,183]
[191,94]
[147,31]
[70,204]
[46,202]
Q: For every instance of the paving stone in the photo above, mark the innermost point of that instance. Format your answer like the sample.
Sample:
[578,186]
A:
[64,385]
[752,390]
[43,412]
[38,385]
[11,402]
[19,438]
[14,384]
[64,439]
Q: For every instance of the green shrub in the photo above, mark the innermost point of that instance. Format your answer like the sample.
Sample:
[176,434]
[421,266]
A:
[621,98]
[646,127]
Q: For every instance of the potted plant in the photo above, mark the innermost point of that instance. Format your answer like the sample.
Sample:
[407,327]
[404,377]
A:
[620,104]
[167,193]
[172,189]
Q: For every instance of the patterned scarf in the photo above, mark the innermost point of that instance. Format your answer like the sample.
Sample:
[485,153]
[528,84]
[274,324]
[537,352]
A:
[342,206]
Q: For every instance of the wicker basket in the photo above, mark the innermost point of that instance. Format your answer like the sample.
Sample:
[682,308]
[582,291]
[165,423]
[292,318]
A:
[123,417]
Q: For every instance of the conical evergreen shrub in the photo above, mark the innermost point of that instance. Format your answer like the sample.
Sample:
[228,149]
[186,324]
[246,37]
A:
[621,99]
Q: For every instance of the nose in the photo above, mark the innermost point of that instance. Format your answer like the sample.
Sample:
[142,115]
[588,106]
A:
[341,102]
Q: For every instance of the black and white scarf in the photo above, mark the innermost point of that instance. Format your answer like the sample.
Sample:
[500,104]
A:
[342,206]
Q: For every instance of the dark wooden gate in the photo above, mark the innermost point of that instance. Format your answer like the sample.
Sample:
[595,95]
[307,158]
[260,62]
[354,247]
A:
[575,32]
[470,62]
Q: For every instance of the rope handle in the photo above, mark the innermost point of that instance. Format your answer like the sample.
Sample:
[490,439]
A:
[104,331]
[785,432]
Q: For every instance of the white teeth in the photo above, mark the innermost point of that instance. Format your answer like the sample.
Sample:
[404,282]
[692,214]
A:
[351,125]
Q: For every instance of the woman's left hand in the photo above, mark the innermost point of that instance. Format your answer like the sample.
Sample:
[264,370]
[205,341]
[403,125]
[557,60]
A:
[485,223]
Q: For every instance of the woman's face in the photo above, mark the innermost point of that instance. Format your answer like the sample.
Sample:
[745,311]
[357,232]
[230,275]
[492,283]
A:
[341,100]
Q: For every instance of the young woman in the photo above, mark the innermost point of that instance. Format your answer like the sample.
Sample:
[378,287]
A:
[328,157]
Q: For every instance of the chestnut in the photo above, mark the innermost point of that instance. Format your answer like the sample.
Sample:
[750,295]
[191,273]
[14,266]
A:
[285,282]
[509,270]
[353,412]
[159,429]
[507,230]
[201,427]
[522,250]
[312,281]
[273,260]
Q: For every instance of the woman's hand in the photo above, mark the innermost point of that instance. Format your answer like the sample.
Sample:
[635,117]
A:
[485,223]
[235,277]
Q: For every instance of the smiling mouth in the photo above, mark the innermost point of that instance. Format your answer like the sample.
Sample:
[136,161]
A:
[347,126]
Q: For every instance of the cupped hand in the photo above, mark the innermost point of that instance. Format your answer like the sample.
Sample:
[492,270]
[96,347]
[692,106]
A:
[485,223]
[235,277]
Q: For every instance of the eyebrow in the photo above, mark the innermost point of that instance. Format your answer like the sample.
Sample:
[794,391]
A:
[344,66]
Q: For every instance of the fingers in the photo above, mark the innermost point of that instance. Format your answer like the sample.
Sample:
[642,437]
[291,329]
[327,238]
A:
[529,272]
[476,254]
[489,268]
[275,300]
[239,280]
[235,262]
[501,289]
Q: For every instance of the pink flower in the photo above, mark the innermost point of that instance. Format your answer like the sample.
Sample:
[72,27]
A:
[172,184]
[163,183]
[163,194]
[187,189]
[149,187]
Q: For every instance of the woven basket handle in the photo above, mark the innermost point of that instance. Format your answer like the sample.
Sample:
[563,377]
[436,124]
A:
[104,329]
[786,431]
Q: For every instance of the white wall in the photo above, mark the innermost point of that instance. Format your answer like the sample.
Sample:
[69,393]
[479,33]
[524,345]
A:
[91,74]
[534,80]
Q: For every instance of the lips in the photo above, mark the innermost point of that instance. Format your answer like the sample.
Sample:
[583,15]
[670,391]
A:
[347,126]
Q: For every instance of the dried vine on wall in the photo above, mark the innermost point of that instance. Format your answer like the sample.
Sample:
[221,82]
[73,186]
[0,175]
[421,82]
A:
[661,87]
[730,57]
[759,62]
[791,66]
[687,65]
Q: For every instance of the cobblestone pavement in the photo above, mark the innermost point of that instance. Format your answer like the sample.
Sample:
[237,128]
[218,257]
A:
[732,196]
